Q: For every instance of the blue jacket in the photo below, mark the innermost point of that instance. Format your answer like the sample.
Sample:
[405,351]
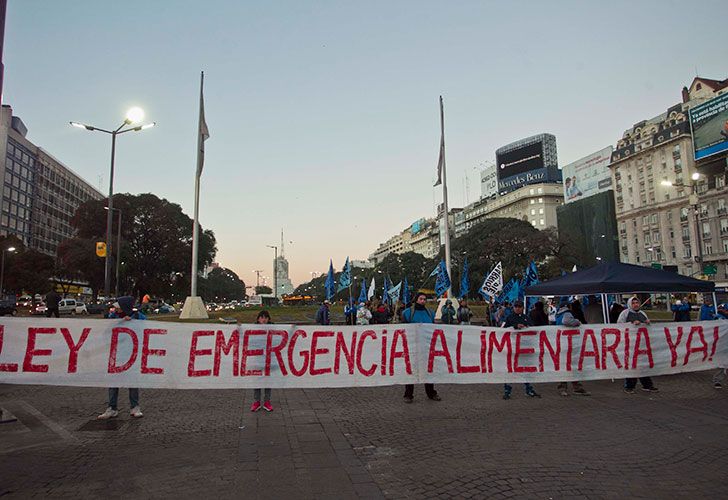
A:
[682,311]
[565,318]
[707,313]
[419,316]
[322,316]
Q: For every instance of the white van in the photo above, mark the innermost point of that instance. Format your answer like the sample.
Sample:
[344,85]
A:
[71,306]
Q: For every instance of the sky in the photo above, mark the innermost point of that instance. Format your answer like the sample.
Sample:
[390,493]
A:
[324,116]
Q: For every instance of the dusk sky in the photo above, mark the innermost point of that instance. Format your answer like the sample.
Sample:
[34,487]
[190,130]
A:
[324,116]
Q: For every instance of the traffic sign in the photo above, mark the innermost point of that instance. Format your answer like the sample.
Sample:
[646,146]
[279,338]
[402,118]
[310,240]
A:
[656,265]
[101,249]
[710,269]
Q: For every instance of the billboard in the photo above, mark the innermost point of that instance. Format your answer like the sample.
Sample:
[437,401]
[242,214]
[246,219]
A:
[489,181]
[528,161]
[709,123]
[588,176]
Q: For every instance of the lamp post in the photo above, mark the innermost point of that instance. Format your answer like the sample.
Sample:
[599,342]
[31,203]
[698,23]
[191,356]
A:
[2,269]
[275,271]
[117,254]
[693,200]
[134,115]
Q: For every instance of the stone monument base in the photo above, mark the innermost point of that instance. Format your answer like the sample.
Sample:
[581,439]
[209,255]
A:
[194,308]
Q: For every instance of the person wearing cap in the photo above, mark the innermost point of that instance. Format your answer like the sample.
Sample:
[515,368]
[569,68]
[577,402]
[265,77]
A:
[448,313]
[419,313]
[565,317]
[322,315]
[124,308]
[634,315]
[464,313]
[518,320]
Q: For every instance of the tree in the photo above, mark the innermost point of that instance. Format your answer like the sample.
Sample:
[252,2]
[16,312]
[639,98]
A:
[26,270]
[222,285]
[156,248]
[263,290]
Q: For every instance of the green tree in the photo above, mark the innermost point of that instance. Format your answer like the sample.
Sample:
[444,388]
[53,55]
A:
[26,270]
[156,243]
[222,284]
[263,290]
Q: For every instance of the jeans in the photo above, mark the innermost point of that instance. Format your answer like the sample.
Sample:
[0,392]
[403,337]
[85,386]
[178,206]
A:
[114,397]
[409,390]
[719,375]
[256,395]
[630,383]
[507,388]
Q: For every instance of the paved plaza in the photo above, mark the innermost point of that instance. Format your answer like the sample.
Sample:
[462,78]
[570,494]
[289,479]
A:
[365,443]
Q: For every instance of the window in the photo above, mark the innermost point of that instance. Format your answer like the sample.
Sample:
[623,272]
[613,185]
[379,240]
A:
[533,201]
[725,246]
[540,200]
[723,226]
[719,181]
[656,236]
[540,190]
[542,222]
[540,211]
[685,233]
[654,219]
[533,211]
[686,252]
[648,240]
[706,230]
[708,249]
[672,252]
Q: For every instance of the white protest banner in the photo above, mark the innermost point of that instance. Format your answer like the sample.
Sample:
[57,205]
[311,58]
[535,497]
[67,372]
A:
[152,354]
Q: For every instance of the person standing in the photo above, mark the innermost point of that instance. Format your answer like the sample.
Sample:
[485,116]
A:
[128,313]
[634,315]
[464,313]
[350,312]
[262,319]
[707,312]
[52,299]
[363,315]
[565,317]
[538,316]
[448,313]
[518,320]
[322,315]
[419,313]
[380,316]
[681,310]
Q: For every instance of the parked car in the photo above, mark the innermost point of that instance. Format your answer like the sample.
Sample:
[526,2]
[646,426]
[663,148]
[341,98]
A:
[72,307]
[96,308]
[164,309]
[8,307]
[38,309]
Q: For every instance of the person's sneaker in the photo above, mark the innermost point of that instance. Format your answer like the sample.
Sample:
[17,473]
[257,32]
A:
[651,389]
[564,392]
[109,413]
[136,412]
[582,392]
[533,394]
[628,390]
[506,396]
[408,399]
[717,385]
[267,406]
[255,406]
[436,397]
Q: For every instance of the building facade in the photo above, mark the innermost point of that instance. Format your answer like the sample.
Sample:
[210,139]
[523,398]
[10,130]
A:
[40,194]
[670,211]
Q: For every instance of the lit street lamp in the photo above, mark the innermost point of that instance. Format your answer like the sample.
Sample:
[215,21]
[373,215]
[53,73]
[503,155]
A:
[134,115]
[2,269]
[117,254]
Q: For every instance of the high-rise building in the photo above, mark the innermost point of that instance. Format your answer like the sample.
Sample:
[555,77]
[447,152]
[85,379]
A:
[532,160]
[672,212]
[40,194]
[280,265]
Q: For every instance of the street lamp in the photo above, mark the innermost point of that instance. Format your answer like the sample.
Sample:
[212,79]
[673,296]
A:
[134,115]
[117,254]
[2,268]
[693,200]
[275,271]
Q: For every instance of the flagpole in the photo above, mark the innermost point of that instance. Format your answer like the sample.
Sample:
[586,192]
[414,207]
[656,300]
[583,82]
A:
[195,231]
[444,200]
[193,307]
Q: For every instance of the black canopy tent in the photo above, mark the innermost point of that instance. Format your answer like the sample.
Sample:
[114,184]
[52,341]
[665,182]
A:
[617,278]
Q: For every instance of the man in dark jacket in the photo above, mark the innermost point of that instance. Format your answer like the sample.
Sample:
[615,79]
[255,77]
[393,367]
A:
[518,320]
[322,315]
[52,300]
[419,313]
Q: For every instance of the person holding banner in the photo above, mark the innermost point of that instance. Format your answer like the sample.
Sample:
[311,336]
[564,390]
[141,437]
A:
[322,315]
[566,316]
[128,312]
[464,313]
[518,320]
[262,319]
[419,313]
[634,315]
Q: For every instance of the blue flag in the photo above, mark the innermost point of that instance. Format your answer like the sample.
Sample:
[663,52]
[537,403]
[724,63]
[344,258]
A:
[464,281]
[442,284]
[405,293]
[330,283]
[514,293]
[363,294]
[385,295]
[435,271]
[530,277]
[505,294]
[345,277]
